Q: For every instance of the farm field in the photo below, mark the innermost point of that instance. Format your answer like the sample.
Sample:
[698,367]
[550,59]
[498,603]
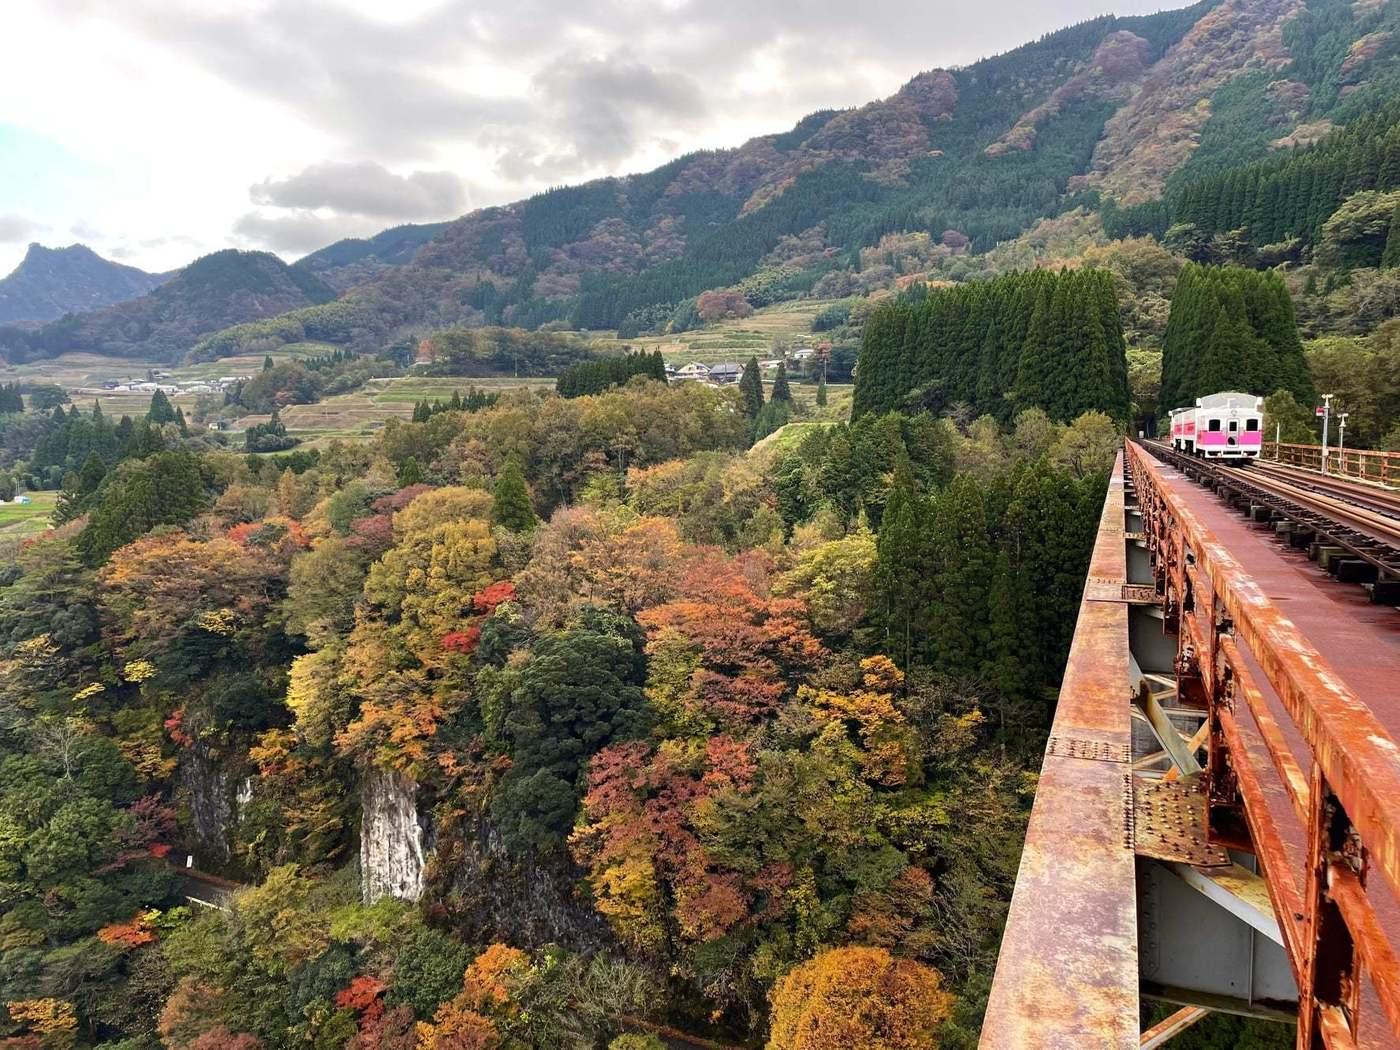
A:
[737,340]
[18,520]
[364,411]
[77,372]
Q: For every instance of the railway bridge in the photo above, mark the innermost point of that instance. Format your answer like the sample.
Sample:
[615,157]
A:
[1217,823]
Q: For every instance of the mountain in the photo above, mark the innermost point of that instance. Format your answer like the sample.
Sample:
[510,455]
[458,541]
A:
[51,282]
[353,260]
[226,288]
[1118,117]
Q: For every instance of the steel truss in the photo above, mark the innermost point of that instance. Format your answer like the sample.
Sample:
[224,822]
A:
[1236,654]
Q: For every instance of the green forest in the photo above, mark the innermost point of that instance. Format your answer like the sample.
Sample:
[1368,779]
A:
[1046,340]
[681,731]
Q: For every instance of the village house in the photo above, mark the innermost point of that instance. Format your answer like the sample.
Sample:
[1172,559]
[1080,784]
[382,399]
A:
[694,370]
[725,373]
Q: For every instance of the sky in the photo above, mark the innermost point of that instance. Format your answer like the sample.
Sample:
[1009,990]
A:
[157,131]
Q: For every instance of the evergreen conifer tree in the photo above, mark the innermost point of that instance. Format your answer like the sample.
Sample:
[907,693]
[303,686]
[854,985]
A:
[145,441]
[1231,329]
[838,476]
[1390,258]
[751,389]
[899,555]
[790,486]
[180,420]
[1011,632]
[74,498]
[411,473]
[511,507]
[1032,375]
[781,391]
[771,418]
[160,410]
[960,569]
[165,489]
[821,391]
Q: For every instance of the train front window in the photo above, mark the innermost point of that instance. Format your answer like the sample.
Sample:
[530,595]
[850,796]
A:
[1234,425]
[1251,424]
[1213,426]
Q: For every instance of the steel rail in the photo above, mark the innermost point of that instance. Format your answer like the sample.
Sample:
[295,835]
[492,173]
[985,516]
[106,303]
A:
[1381,526]
[1363,534]
[1362,494]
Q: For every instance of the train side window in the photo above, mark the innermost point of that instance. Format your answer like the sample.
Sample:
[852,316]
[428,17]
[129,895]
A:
[1251,424]
[1214,425]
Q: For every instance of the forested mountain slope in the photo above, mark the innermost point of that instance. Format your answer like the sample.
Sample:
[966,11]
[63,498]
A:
[222,289]
[353,260]
[785,209]
[1109,113]
[51,282]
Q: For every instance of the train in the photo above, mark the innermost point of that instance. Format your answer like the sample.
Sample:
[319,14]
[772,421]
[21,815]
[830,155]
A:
[1228,426]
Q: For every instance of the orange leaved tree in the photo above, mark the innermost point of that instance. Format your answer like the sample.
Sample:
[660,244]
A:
[861,997]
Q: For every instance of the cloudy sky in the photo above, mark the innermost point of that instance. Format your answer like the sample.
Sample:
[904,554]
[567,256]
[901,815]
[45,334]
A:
[158,130]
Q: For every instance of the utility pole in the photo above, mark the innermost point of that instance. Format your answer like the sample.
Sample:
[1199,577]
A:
[1342,439]
[1326,418]
[1278,442]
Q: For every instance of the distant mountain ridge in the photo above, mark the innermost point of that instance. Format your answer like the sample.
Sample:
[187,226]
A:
[225,288]
[355,259]
[51,282]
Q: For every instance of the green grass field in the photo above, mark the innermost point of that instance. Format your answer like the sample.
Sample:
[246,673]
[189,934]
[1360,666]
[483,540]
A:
[18,520]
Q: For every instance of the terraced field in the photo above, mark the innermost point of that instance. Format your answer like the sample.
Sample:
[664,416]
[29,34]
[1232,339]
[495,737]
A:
[79,373]
[737,340]
[365,411]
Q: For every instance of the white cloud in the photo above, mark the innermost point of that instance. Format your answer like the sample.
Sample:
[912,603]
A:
[299,231]
[368,189]
[16,228]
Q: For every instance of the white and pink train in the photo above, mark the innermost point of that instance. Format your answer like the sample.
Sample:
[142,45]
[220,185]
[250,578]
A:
[1220,426]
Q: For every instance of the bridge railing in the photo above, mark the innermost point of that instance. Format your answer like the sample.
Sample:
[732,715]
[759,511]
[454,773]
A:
[1067,973]
[1243,660]
[1380,467]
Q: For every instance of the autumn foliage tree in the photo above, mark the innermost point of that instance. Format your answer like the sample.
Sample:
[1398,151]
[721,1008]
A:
[858,997]
[724,650]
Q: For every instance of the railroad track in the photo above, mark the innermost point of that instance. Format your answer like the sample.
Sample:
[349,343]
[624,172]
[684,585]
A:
[1383,501]
[1355,537]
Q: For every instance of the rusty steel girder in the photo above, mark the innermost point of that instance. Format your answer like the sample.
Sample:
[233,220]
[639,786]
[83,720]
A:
[1234,644]
[1067,973]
